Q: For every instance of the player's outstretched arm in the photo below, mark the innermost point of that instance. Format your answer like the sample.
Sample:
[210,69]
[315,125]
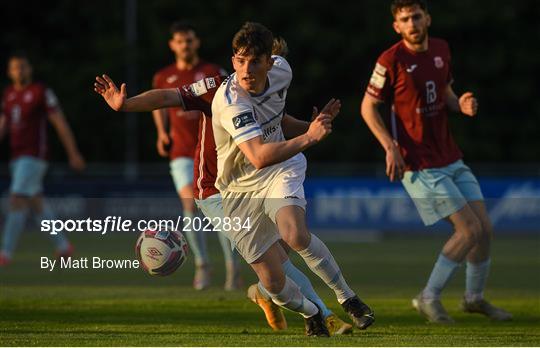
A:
[395,166]
[150,100]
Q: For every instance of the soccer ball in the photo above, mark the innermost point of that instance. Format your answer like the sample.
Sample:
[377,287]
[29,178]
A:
[161,252]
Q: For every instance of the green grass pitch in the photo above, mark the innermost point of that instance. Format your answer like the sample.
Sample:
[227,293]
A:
[128,307]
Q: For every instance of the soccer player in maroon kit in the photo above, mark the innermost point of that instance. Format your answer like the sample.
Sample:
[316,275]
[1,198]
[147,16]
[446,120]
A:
[415,76]
[180,142]
[27,107]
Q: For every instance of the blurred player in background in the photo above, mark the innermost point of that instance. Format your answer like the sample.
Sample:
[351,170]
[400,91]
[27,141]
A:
[27,107]
[415,76]
[199,96]
[179,145]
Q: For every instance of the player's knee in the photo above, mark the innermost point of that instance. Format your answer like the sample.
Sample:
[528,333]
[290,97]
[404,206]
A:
[18,202]
[471,232]
[297,238]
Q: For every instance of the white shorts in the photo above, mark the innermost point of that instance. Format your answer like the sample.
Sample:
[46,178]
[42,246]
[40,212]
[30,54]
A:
[259,209]
[181,172]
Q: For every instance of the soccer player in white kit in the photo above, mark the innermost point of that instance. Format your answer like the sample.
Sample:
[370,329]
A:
[260,174]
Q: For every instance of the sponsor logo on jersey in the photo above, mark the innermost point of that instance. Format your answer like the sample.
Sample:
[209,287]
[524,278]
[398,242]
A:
[439,63]
[411,68]
[291,197]
[269,131]
[243,120]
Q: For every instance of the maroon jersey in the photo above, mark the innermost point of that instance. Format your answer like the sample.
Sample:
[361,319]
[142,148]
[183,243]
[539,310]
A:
[26,113]
[415,83]
[199,96]
[183,125]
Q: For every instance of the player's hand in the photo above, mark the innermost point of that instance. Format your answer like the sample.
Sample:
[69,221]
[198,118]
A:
[468,104]
[162,144]
[395,165]
[77,162]
[332,109]
[320,128]
[105,86]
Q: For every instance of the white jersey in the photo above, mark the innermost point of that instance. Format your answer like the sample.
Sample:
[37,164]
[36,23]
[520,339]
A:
[238,117]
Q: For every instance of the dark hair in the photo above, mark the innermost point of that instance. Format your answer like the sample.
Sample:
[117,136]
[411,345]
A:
[181,27]
[253,38]
[397,5]
[18,55]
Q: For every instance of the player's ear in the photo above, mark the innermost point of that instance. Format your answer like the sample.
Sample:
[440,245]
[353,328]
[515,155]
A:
[428,19]
[396,27]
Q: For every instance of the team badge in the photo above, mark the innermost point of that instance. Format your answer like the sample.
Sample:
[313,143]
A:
[439,63]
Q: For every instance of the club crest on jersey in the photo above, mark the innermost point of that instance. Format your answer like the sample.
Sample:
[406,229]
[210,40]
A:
[439,63]
[243,120]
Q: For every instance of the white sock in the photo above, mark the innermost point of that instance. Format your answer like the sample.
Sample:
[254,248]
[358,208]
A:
[475,280]
[322,263]
[291,298]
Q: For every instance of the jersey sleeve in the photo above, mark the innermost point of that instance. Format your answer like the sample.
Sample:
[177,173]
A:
[239,121]
[51,101]
[381,79]
[199,95]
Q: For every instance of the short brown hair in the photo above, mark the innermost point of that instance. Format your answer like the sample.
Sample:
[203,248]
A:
[253,38]
[181,27]
[397,5]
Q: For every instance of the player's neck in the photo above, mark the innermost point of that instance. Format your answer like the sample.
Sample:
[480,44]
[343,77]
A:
[187,65]
[21,85]
[418,48]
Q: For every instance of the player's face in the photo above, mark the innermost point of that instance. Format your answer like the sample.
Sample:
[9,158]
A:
[412,24]
[19,71]
[184,45]
[252,71]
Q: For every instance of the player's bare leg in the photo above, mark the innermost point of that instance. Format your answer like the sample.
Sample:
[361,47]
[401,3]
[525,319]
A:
[284,291]
[467,229]
[478,265]
[43,211]
[292,228]
[196,240]
[15,220]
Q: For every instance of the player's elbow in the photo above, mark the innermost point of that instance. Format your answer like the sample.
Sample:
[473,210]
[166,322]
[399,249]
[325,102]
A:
[368,107]
[259,163]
